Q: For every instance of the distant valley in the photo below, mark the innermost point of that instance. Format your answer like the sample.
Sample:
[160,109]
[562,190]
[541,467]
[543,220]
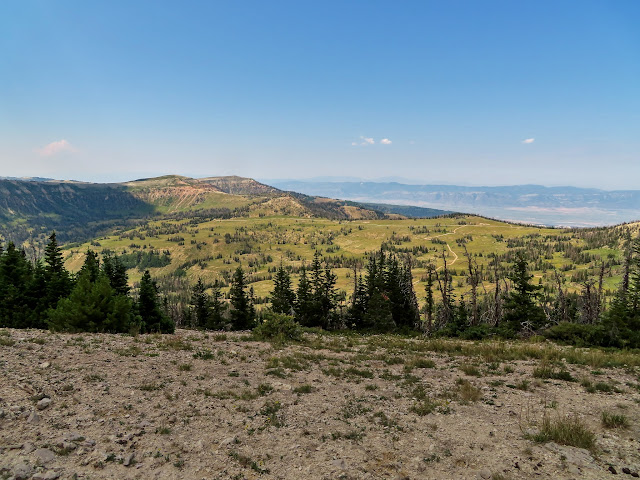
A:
[553,206]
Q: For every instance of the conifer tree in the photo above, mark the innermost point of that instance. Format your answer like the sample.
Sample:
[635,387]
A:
[282,297]
[242,310]
[58,280]
[117,274]
[216,318]
[521,310]
[200,304]
[91,266]
[304,300]
[152,318]
[91,307]
[16,276]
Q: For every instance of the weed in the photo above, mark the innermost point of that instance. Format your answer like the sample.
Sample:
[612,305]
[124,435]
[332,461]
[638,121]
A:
[204,355]
[468,392]
[150,387]
[614,420]
[470,370]
[306,388]
[565,431]
[424,407]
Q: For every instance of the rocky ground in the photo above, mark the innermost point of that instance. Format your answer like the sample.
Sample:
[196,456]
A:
[222,406]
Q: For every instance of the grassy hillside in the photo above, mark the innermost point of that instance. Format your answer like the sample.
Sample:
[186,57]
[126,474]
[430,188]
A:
[212,249]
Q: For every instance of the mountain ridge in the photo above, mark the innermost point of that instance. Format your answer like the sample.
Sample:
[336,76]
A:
[559,206]
[30,209]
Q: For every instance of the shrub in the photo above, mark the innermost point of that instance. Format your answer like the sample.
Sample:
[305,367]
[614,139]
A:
[277,326]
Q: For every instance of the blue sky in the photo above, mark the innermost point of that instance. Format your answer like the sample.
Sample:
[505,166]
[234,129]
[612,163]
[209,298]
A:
[478,92]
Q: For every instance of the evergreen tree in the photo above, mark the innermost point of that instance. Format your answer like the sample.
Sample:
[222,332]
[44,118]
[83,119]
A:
[327,299]
[16,278]
[200,304]
[91,307]
[621,323]
[304,300]
[152,318]
[410,311]
[429,306]
[282,297]
[57,278]
[117,274]
[358,303]
[521,310]
[91,266]
[242,310]
[216,320]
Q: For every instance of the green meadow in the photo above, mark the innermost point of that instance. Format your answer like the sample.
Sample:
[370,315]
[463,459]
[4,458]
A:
[213,249]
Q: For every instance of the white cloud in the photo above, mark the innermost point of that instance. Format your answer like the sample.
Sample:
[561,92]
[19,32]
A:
[527,141]
[364,141]
[53,148]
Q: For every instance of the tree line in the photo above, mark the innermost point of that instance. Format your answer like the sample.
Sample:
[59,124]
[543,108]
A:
[44,294]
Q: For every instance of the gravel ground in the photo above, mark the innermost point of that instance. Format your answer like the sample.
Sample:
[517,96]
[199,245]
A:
[222,406]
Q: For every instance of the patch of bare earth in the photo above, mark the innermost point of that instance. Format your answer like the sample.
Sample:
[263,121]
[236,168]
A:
[222,406]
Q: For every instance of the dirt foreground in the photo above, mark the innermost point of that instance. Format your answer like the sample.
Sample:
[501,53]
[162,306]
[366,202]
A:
[222,406]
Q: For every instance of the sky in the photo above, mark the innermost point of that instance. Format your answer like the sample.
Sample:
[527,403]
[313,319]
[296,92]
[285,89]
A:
[458,92]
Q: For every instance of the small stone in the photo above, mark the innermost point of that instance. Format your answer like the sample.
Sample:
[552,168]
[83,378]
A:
[128,459]
[44,456]
[626,470]
[22,471]
[28,448]
[44,403]
[484,474]
[45,365]
[50,475]
[339,463]
[34,418]
[73,437]
[613,470]
[635,474]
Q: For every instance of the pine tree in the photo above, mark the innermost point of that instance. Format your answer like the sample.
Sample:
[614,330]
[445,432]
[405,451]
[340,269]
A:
[216,319]
[282,297]
[429,306]
[242,310]
[200,304]
[58,280]
[304,300]
[521,310]
[16,277]
[91,307]
[358,303]
[91,266]
[152,318]
[117,274]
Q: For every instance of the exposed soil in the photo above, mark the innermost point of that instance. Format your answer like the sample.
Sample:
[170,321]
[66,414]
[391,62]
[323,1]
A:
[220,406]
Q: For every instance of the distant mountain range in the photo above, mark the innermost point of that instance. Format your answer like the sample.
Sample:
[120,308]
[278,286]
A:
[559,206]
[30,208]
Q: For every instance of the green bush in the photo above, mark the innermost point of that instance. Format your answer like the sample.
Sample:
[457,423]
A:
[578,334]
[277,326]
